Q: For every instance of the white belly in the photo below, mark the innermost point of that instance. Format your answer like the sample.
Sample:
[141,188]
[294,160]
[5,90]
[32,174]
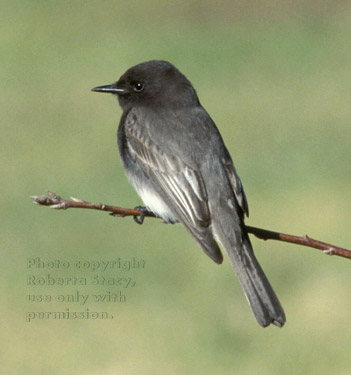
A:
[155,204]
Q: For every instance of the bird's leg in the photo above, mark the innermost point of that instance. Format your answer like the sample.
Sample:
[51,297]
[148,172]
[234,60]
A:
[141,218]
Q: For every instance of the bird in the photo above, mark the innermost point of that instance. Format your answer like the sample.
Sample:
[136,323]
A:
[175,158]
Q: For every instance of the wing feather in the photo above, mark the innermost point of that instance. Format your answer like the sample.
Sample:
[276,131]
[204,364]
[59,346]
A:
[235,183]
[180,186]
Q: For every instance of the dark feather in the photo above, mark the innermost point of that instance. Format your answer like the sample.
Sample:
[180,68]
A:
[179,186]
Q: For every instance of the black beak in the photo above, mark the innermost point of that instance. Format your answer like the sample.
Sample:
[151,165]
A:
[112,89]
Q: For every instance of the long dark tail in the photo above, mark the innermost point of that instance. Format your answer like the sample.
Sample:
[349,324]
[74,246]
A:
[262,299]
[259,292]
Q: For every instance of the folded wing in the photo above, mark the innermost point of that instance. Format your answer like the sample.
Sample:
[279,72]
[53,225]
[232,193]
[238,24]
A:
[180,187]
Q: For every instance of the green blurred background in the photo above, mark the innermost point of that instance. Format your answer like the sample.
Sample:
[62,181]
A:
[276,78]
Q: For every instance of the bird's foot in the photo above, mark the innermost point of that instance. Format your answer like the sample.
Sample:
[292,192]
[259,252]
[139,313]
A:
[140,219]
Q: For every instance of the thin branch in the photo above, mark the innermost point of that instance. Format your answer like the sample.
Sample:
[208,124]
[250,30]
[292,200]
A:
[303,240]
[58,203]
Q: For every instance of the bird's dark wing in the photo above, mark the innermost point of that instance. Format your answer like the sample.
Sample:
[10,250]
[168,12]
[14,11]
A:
[235,182]
[180,186]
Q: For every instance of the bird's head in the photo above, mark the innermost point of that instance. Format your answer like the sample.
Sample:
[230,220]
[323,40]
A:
[153,82]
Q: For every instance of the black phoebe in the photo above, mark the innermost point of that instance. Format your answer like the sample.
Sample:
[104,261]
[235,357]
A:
[175,158]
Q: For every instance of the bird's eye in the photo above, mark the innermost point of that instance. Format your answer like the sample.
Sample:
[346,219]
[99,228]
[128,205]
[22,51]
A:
[138,87]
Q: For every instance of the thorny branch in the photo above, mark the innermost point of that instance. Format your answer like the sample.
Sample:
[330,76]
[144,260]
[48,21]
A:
[56,202]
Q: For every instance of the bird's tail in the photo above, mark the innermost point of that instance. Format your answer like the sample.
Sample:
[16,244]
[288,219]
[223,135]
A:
[262,299]
[259,292]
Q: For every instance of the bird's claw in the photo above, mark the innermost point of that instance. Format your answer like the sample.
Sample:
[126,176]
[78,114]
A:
[140,219]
